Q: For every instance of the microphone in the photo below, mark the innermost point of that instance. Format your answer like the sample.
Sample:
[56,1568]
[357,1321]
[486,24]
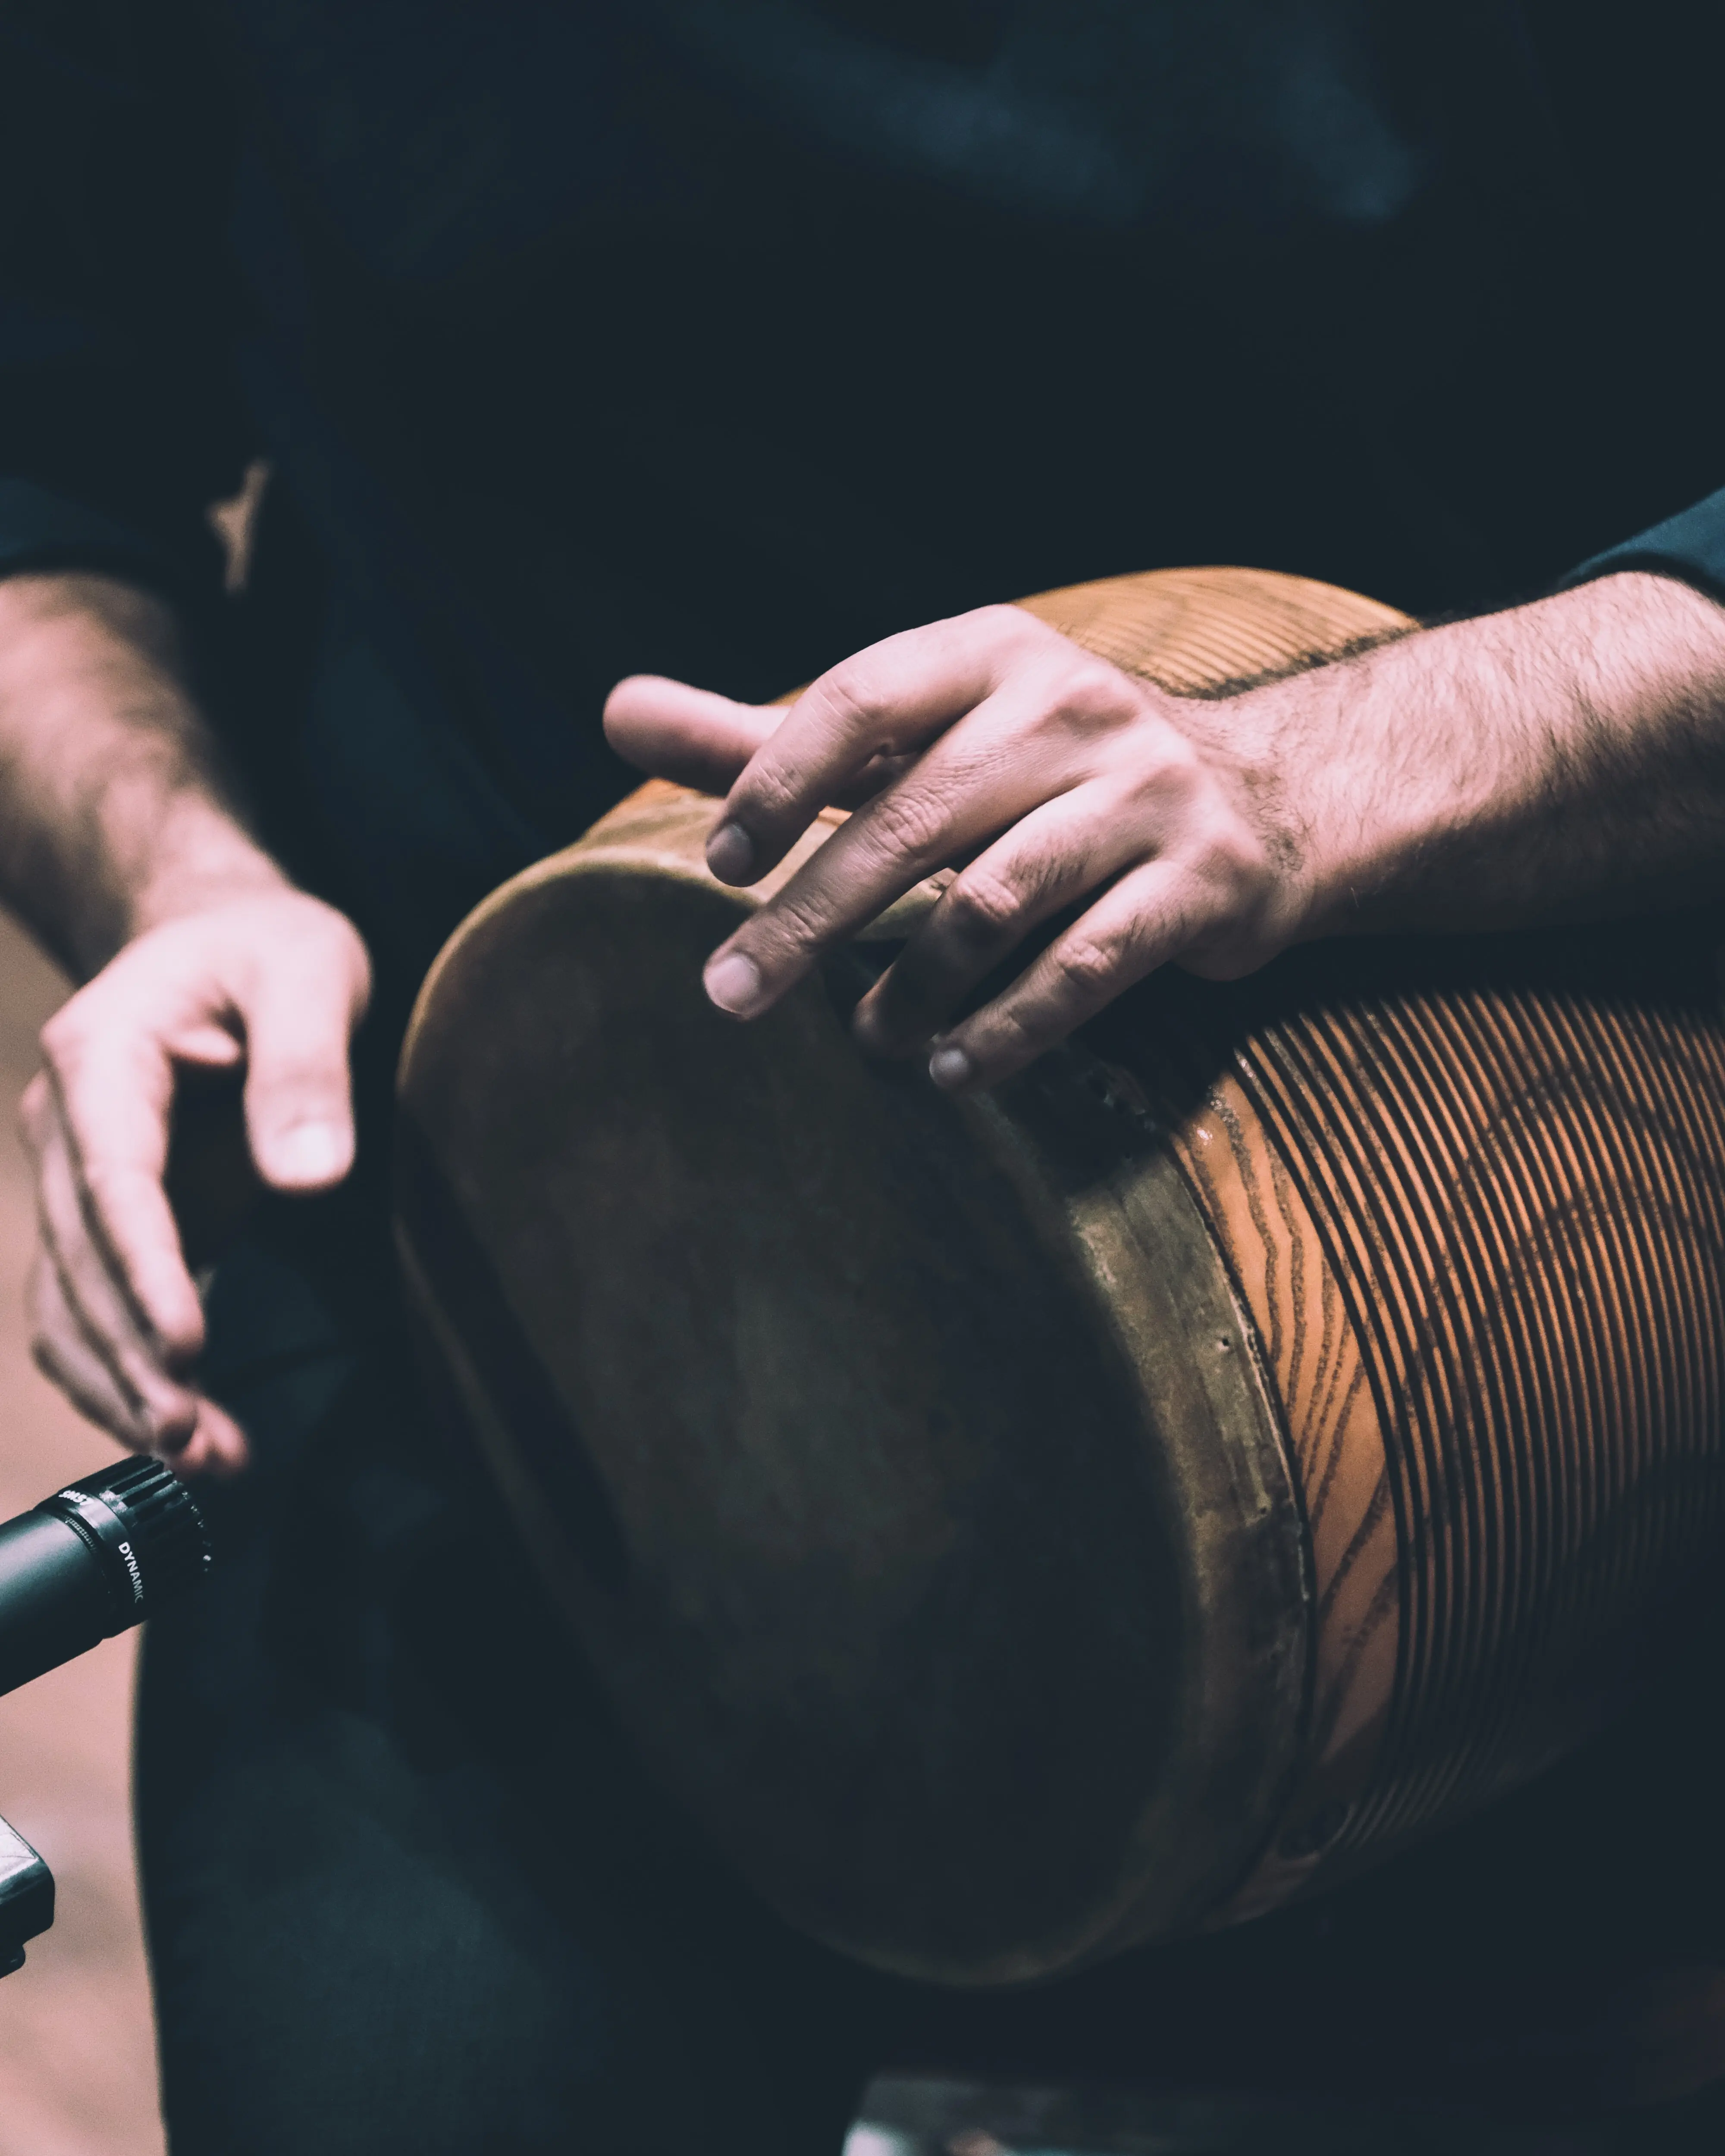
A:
[93,1559]
[96,1559]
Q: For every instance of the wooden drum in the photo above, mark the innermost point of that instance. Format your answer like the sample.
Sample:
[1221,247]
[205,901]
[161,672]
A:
[1023,1526]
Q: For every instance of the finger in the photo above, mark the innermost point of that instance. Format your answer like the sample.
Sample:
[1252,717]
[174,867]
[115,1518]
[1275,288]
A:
[1146,918]
[110,1088]
[1047,860]
[703,741]
[102,1361]
[299,1012]
[65,1356]
[218,1447]
[894,696]
[689,735]
[84,1289]
[68,1357]
[975,781]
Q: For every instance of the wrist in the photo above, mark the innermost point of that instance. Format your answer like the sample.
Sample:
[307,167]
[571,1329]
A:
[1555,761]
[114,817]
[1397,761]
[200,858]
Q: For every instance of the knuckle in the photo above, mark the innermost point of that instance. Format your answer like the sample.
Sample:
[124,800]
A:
[1010,1034]
[1019,1028]
[1095,693]
[850,700]
[907,820]
[982,907]
[848,694]
[1169,770]
[1087,964]
[788,929]
[1232,859]
[772,793]
[62,1039]
[1004,619]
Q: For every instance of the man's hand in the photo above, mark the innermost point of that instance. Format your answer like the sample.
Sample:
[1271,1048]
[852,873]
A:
[1055,779]
[124,845]
[271,978]
[1562,759]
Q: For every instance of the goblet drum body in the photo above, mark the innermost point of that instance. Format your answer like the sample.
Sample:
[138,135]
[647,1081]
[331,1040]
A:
[1022,1526]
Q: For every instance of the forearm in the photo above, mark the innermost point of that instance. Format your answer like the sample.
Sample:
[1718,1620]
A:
[115,814]
[1562,760]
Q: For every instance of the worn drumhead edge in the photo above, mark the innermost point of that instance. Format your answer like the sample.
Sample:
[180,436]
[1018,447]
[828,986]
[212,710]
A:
[905,1464]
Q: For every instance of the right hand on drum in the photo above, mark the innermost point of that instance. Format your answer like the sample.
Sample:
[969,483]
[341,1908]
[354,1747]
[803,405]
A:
[1050,779]
[267,978]
[1558,760]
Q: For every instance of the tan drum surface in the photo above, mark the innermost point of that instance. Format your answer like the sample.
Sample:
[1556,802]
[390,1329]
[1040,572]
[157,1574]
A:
[1023,1526]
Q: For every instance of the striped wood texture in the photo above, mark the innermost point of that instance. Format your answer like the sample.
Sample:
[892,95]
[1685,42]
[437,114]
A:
[1480,1226]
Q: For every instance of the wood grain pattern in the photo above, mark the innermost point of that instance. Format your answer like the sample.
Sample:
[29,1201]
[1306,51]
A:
[1266,1232]
[1197,632]
[1520,1194]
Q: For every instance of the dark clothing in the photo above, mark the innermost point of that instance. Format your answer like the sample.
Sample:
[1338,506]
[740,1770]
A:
[718,338]
[405,1889]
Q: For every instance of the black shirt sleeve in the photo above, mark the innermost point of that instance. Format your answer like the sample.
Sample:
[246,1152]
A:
[1690,545]
[119,422]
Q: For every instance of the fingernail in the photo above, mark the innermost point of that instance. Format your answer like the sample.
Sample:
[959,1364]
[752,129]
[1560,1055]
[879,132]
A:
[950,1068]
[731,854]
[733,983]
[308,1152]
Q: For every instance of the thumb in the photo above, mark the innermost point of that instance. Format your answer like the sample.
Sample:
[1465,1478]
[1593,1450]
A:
[692,736]
[299,1018]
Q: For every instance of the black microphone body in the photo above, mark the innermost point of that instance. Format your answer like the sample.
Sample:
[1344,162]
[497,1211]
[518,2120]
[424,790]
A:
[91,1560]
[51,1607]
[96,1557]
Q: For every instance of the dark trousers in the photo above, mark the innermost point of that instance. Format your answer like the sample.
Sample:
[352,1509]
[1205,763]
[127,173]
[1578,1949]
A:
[407,1890]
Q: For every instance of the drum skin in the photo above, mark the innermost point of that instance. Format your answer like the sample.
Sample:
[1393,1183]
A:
[1023,1526]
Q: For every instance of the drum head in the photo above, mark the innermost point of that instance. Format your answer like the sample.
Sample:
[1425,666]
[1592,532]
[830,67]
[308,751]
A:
[844,1481]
